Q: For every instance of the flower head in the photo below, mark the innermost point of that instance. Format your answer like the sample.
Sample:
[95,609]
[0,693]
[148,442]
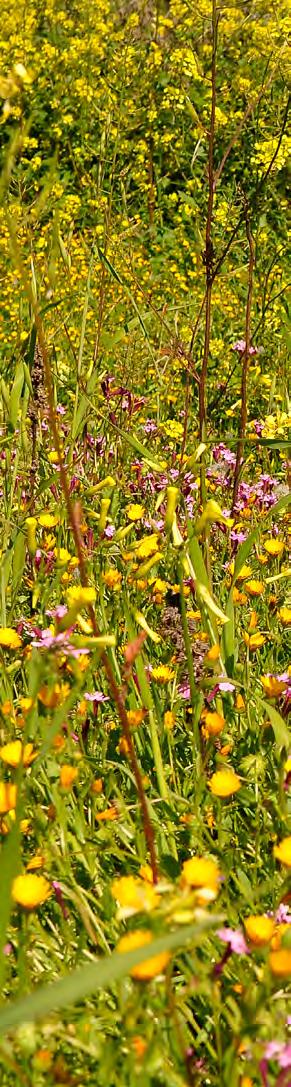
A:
[9,639]
[30,891]
[282,851]
[259,929]
[150,968]
[224,783]
[14,753]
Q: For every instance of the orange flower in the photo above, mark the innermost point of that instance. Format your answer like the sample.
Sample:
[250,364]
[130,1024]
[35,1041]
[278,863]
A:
[108,815]
[200,872]
[68,775]
[214,722]
[273,687]
[280,962]
[14,753]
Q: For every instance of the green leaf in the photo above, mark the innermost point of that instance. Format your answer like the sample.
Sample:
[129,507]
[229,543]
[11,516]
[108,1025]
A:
[9,866]
[280,729]
[81,983]
[139,448]
[15,395]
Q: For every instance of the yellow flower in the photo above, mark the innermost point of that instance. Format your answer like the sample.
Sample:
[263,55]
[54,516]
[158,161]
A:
[162,674]
[68,775]
[112,578]
[274,547]
[254,641]
[135,717]
[53,696]
[169,720]
[25,704]
[97,786]
[214,722]
[240,703]
[287,765]
[8,795]
[151,967]
[224,783]
[213,653]
[285,615]
[244,573]
[282,851]
[14,753]
[273,687]
[135,511]
[259,929]
[200,872]
[62,556]
[147,546]
[280,962]
[134,895]
[254,588]
[107,816]
[48,520]
[35,862]
[238,597]
[9,639]
[30,891]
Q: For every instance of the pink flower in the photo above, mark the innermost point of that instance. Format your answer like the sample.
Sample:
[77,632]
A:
[235,939]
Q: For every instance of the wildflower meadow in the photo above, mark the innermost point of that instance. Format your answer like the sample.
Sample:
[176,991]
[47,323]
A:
[145,756]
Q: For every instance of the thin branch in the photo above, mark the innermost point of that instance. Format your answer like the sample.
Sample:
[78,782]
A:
[245,362]
[209,252]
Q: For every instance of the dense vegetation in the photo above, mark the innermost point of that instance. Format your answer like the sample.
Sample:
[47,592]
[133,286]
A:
[144,745]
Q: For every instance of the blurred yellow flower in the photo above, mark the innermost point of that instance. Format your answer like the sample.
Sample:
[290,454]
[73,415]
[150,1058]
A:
[151,967]
[169,720]
[200,872]
[68,775]
[213,722]
[259,929]
[282,851]
[8,796]
[48,520]
[14,753]
[224,783]
[9,639]
[30,891]
[280,962]
[285,615]
[112,578]
[134,895]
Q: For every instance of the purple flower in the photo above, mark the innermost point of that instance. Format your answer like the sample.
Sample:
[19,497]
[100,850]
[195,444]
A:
[96,696]
[235,939]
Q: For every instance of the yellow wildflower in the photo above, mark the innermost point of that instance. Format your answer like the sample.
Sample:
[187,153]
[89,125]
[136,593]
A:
[107,816]
[151,967]
[273,687]
[97,786]
[68,775]
[200,872]
[134,895]
[135,717]
[254,641]
[282,851]
[135,511]
[112,578]
[30,891]
[147,546]
[285,615]
[254,588]
[35,862]
[9,639]
[14,753]
[274,547]
[214,722]
[224,783]
[259,929]
[8,795]
[238,597]
[162,673]
[280,962]
[169,720]
[48,520]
